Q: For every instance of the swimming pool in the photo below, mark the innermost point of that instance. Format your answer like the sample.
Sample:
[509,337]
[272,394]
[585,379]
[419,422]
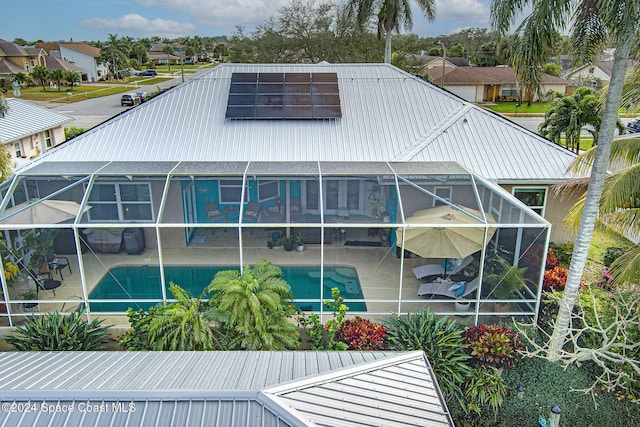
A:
[143,282]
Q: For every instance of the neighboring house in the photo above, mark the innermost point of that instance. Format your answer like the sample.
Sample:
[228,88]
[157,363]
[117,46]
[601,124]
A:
[82,55]
[219,168]
[54,63]
[596,75]
[28,130]
[490,84]
[244,389]
[157,56]
[17,59]
[430,62]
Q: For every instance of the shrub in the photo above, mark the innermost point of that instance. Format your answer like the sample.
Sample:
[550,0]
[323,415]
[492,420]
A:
[137,337]
[612,253]
[493,345]
[57,332]
[606,280]
[439,338]
[362,334]
[552,260]
[485,388]
[563,252]
[323,337]
[72,132]
[555,279]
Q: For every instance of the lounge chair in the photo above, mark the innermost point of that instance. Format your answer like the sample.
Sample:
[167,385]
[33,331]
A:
[213,212]
[430,270]
[447,288]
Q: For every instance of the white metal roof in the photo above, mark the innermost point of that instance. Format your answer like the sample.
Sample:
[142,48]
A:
[387,115]
[25,118]
[222,388]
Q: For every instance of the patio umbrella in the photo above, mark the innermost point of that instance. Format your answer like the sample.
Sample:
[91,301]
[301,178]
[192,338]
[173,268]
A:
[444,241]
[44,212]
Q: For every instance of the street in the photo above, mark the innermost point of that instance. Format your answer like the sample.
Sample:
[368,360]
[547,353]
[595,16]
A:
[90,113]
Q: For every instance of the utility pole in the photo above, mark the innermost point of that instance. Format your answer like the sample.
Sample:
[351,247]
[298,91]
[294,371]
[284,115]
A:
[444,59]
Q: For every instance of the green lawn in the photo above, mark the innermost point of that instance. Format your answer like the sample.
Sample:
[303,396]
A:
[78,93]
[147,80]
[509,107]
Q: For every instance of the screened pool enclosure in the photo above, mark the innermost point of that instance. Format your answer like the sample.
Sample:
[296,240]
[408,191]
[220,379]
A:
[395,237]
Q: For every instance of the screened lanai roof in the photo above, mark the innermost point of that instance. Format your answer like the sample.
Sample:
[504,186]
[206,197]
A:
[222,388]
[387,115]
[78,179]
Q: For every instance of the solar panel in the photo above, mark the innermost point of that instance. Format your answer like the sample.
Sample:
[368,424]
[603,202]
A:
[283,96]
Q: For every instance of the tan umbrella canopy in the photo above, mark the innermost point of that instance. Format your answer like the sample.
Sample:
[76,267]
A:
[42,212]
[445,240]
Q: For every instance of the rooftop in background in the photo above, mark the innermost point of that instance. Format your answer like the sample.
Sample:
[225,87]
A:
[387,115]
[25,118]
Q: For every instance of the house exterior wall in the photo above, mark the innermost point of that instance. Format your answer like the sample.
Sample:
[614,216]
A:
[87,62]
[589,73]
[34,144]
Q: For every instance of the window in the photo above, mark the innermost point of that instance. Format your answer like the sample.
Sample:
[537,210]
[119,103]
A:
[338,194]
[535,198]
[268,190]
[443,193]
[231,191]
[48,138]
[121,202]
[18,148]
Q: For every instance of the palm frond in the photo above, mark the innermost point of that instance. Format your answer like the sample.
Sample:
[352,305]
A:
[627,267]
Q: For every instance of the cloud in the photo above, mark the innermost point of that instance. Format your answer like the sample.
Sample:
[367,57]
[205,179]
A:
[139,25]
[466,12]
[222,15]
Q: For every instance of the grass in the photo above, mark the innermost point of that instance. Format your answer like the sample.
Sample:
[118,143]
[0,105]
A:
[78,93]
[147,80]
[509,107]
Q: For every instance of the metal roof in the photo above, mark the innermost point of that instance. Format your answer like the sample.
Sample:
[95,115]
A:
[25,118]
[387,115]
[221,388]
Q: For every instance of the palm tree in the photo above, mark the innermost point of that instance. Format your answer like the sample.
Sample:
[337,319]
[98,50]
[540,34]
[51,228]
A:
[168,49]
[4,106]
[568,115]
[620,203]
[392,16]
[631,90]
[41,73]
[57,76]
[114,52]
[181,326]
[593,23]
[255,305]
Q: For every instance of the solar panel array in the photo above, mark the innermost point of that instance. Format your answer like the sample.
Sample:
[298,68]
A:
[283,96]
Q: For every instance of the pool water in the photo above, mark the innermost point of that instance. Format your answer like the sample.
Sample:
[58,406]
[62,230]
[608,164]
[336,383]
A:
[143,282]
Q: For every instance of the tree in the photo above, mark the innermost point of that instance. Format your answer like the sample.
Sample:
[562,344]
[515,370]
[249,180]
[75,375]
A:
[57,76]
[552,69]
[139,50]
[254,305]
[71,77]
[4,106]
[631,90]
[619,209]
[393,15]
[20,78]
[40,73]
[180,326]
[456,51]
[114,52]
[168,49]
[569,115]
[595,21]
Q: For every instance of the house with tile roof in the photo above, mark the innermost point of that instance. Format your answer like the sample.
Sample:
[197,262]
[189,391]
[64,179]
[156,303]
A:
[220,171]
[28,130]
[490,84]
[81,55]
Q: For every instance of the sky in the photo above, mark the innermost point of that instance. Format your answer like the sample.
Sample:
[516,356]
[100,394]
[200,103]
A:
[81,20]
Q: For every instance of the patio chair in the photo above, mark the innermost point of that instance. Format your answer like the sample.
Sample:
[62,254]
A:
[429,270]
[448,288]
[57,263]
[250,214]
[213,212]
[42,283]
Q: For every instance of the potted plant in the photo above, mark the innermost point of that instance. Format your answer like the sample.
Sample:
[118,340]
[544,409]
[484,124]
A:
[299,240]
[29,295]
[503,280]
[288,243]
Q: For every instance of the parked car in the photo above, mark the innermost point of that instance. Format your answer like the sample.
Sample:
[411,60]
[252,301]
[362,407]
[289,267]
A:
[143,96]
[148,73]
[633,126]
[130,99]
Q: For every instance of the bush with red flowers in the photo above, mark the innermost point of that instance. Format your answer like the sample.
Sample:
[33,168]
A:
[555,279]
[552,260]
[493,345]
[362,334]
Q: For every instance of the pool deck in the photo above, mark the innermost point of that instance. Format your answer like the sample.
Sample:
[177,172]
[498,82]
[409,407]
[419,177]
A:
[378,270]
